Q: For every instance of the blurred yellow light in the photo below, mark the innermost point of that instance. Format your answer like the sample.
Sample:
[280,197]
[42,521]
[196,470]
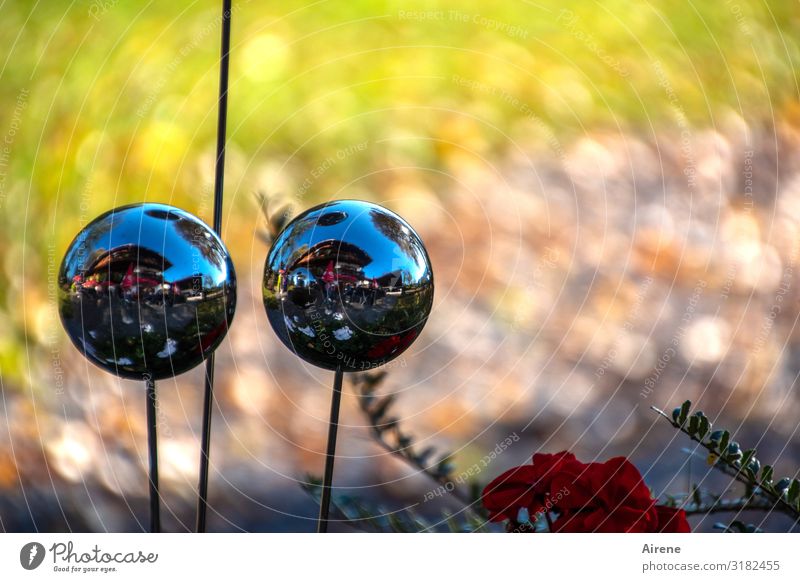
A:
[264,58]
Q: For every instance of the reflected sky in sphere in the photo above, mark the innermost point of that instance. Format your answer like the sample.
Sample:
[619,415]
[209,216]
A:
[147,290]
[348,283]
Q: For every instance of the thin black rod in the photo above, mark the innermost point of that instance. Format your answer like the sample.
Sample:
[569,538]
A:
[222,113]
[152,451]
[219,181]
[330,455]
[205,446]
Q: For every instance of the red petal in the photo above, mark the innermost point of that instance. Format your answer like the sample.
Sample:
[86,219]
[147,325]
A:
[671,520]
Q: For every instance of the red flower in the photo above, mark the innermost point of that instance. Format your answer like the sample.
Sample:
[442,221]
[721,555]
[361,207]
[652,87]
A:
[512,491]
[584,497]
[605,497]
[526,487]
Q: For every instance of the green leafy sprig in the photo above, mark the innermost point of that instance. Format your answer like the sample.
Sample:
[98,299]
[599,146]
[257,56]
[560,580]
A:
[762,491]
[387,432]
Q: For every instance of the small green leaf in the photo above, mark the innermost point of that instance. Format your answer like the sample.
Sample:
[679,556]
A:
[475,491]
[753,466]
[716,436]
[722,446]
[694,425]
[684,412]
[704,427]
[766,474]
[397,524]
[794,492]
[696,497]
[379,410]
[445,466]
[425,455]
[452,524]
[733,451]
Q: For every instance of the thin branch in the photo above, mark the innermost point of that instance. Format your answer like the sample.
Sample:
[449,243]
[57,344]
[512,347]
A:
[442,481]
[760,489]
[375,410]
[729,505]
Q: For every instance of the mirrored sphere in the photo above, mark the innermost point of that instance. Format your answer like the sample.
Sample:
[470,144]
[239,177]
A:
[146,289]
[348,284]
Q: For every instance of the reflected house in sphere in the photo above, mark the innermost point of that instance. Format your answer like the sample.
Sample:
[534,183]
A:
[128,271]
[341,275]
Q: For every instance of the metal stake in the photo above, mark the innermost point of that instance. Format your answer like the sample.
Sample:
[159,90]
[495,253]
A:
[219,179]
[152,450]
[330,455]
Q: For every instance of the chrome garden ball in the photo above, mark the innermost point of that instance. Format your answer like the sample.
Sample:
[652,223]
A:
[348,284]
[147,290]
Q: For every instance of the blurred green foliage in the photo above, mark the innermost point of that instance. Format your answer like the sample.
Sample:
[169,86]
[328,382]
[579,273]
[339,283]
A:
[110,102]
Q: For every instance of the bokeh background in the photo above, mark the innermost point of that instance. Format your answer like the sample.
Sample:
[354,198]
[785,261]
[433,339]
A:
[609,192]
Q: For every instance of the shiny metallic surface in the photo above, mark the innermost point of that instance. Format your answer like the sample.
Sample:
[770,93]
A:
[348,283]
[147,290]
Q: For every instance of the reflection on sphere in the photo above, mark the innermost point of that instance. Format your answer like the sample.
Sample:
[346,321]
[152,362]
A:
[147,290]
[348,284]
